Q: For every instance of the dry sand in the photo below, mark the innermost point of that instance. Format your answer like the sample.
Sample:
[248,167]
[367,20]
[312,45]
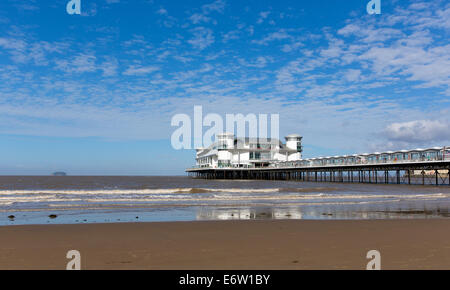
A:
[403,244]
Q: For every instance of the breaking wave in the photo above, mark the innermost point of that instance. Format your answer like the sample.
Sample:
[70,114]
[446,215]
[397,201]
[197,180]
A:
[161,191]
[194,195]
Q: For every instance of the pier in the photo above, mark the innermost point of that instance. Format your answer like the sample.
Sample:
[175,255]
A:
[419,166]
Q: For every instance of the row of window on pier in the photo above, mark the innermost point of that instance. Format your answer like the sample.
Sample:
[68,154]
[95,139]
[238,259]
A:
[375,158]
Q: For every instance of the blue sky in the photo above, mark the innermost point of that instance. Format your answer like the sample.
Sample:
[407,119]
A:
[94,93]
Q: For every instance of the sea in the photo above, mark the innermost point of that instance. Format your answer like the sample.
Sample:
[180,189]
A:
[113,199]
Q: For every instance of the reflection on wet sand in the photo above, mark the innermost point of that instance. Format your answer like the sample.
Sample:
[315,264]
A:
[247,213]
[319,213]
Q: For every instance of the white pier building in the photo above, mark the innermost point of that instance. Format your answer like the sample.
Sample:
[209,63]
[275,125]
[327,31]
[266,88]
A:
[230,151]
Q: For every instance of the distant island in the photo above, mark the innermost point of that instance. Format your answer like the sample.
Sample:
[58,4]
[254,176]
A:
[59,173]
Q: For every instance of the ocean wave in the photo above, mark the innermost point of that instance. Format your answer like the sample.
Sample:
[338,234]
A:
[195,195]
[181,192]
[190,190]
[230,197]
[95,191]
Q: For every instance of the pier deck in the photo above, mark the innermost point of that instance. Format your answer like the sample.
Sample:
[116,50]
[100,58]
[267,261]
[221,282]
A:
[423,173]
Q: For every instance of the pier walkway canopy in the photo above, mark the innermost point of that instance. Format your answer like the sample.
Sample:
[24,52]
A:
[378,158]
[401,156]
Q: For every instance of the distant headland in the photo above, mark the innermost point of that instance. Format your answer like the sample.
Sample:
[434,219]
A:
[59,173]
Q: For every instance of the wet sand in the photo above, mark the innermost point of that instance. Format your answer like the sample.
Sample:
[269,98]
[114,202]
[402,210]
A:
[295,244]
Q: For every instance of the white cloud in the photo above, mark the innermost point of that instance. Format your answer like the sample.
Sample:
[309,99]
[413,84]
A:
[430,66]
[29,6]
[203,37]
[262,16]
[110,67]
[419,131]
[274,36]
[216,6]
[292,46]
[162,11]
[353,75]
[197,18]
[259,62]
[89,9]
[231,35]
[25,51]
[80,63]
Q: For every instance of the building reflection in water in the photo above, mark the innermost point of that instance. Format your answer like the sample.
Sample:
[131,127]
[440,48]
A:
[321,212]
[248,213]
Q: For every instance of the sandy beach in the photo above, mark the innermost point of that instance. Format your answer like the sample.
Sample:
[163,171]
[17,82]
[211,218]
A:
[403,244]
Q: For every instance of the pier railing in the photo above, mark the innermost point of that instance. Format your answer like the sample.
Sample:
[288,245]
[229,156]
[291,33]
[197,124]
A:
[311,163]
[324,163]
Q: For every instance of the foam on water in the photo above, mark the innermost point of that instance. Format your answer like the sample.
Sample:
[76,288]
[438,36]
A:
[8,197]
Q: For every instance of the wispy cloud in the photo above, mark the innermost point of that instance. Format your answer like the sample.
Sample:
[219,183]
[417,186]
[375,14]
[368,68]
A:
[80,63]
[368,80]
[262,16]
[202,38]
[217,6]
[274,36]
